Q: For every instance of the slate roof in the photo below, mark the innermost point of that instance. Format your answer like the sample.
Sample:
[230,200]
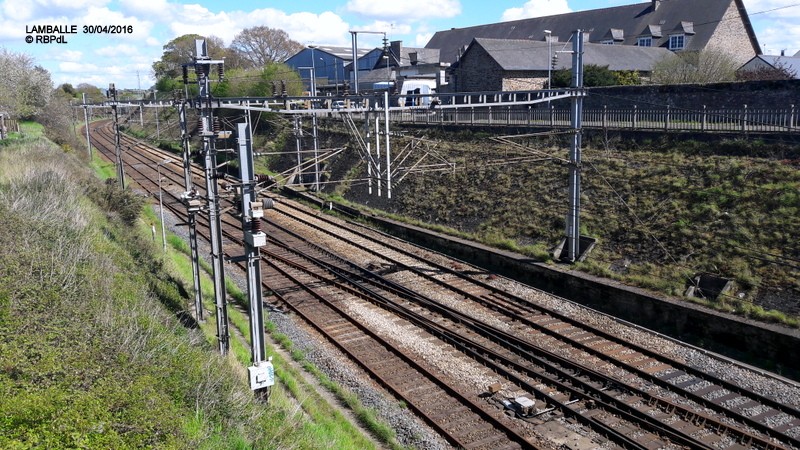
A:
[344,53]
[631,21]
[524,55]
[790,63]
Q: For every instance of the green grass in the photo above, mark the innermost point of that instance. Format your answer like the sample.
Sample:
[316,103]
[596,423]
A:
[670,208]
[328,424]
[91,352]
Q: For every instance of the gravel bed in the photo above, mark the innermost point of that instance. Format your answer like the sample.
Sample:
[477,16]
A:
[410,431]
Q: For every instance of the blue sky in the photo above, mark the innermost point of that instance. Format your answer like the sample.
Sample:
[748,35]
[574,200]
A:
[126,59]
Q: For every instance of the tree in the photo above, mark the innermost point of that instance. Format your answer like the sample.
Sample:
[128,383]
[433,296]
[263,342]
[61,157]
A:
[593,76]
[25,88]
[259,82]
[93,93]
[260,45]
[778,71]
[67,89]
[705,66]
[182,50]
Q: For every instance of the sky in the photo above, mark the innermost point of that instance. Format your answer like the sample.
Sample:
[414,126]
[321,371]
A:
[126,58]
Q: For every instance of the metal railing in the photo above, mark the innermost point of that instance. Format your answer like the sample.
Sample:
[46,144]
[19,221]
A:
[743,120]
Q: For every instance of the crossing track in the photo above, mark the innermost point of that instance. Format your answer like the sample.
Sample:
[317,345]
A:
[457,344]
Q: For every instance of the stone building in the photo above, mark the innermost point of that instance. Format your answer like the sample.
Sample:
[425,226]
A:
[676,25]
[520,65]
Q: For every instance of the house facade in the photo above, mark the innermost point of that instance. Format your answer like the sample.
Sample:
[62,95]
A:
[676,25]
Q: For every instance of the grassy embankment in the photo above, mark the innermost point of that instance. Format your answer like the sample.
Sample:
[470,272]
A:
[91,352]
[662,212]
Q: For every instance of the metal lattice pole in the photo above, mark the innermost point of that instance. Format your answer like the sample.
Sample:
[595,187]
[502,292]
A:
[112,93]
[573,214]
[192,204]
[202,66]
[261,373]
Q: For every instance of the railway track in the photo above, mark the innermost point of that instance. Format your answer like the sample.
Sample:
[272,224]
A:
[485,367]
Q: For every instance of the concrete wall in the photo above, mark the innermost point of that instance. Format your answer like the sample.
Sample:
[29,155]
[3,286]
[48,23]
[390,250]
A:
[767,346]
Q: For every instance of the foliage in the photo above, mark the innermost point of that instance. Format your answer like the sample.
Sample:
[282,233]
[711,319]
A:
[778,71]
[662,212]
[706,66]
[88,356]
[260,45]
[594,76]
[25,87]
[258,82]
[182,50]
[627,77]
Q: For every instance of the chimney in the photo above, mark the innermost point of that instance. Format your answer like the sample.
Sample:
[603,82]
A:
[656,4]
[396,47]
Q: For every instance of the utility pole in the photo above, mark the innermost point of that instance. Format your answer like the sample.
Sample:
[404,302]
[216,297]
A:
[193,206]
[261,373]
[355,53]
[368,141]
[112,94]
[573,213]
[549,58]
[202,66]
[316,152]
[298,137]
[161,204]
[388,151]
[86,119]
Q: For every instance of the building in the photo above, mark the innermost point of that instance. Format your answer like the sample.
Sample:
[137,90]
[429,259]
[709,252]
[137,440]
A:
[330,66]
[791,64]
[677,25]
[333,66]
[518,65]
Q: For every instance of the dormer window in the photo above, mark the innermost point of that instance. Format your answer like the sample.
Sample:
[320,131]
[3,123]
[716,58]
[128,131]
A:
[677,41]
[613,36]
[646,41]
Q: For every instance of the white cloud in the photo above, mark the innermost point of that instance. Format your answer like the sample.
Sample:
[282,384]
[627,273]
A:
[104,16]
[152,9]
[27,10]
[117,50]
[422,39]
[68,55]
[405,10]
[772,8]
[780,36]
[77,67]
[536,8]
[304,27]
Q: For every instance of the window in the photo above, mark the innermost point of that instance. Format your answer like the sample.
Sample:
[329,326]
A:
[607,42]
[645,41]
[676,41]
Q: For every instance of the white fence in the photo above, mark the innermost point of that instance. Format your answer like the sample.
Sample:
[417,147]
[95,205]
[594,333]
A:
[743,120]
